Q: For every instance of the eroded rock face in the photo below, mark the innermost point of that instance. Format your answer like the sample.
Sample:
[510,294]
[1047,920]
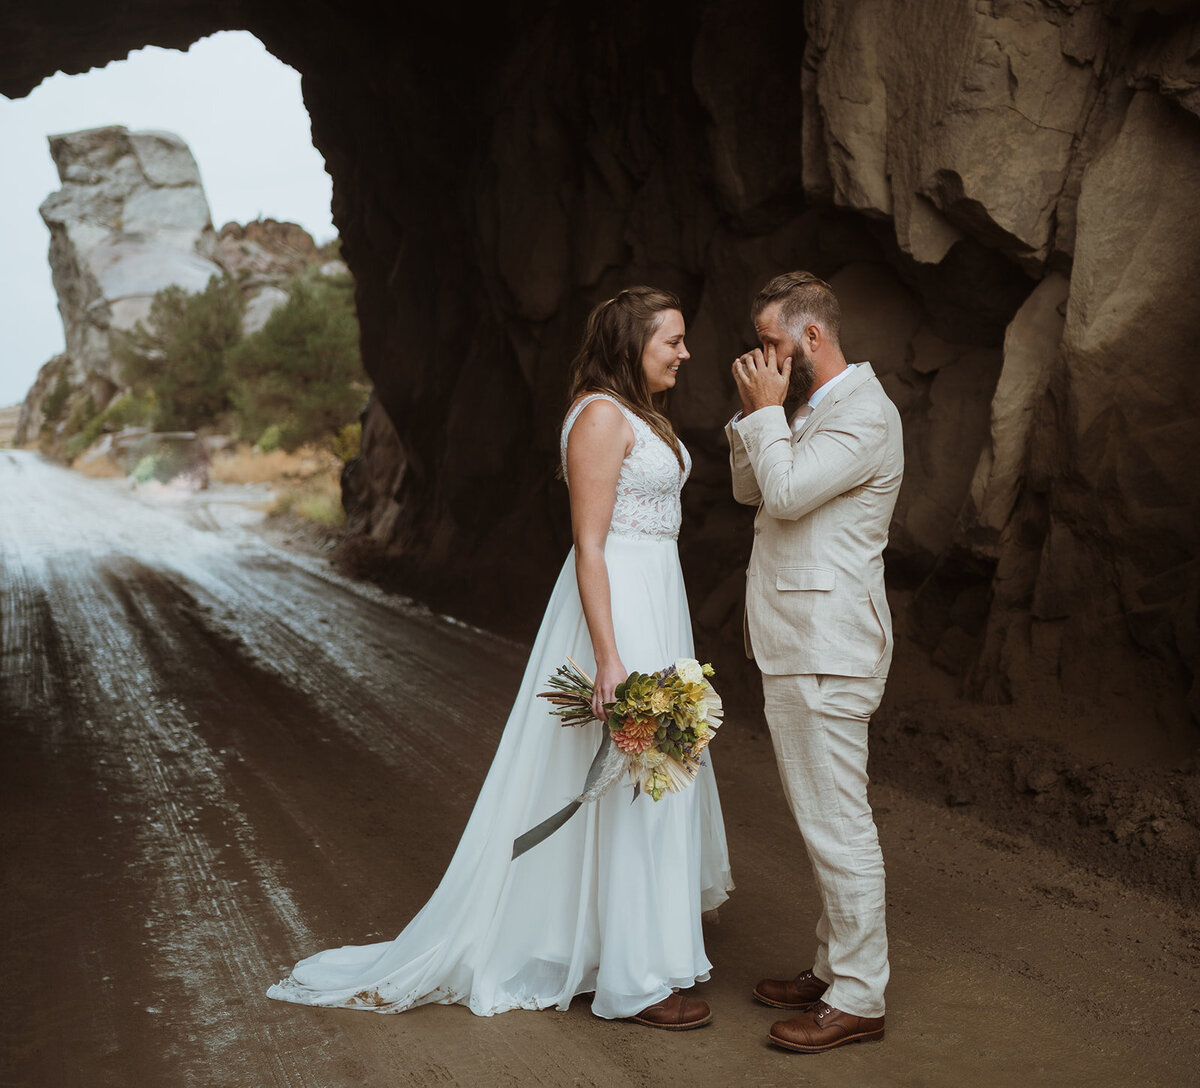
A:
[1112,460]
[1003,192]
[1030,346]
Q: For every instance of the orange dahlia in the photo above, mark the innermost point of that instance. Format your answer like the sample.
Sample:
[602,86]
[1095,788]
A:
[635,736]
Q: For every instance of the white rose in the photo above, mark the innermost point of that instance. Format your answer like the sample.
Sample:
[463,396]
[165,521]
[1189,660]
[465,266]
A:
[689,670]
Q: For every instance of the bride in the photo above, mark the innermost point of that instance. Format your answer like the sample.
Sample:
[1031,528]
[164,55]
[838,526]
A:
[611,902]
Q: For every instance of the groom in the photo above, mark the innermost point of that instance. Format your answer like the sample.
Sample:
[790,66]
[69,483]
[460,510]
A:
[817,448]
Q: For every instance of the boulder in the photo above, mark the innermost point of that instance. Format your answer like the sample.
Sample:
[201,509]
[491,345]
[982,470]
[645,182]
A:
[129,220]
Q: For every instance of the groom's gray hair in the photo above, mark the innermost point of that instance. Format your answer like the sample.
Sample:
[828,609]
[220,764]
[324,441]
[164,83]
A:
[804,299]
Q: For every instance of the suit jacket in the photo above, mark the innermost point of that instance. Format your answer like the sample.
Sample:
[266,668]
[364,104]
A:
[815,599]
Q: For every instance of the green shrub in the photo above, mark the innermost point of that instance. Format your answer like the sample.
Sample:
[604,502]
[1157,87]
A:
[298,379]
[347,443]
[81,414]
[129,410]
[179,355]
[52,406]
[302,371]
[269,439]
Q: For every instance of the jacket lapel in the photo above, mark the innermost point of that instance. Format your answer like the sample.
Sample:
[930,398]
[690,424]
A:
[861,373]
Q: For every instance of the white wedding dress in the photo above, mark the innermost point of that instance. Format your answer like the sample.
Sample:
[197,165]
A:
[611,902]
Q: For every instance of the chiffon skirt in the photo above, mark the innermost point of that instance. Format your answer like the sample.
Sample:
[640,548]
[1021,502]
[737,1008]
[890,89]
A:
[611,902]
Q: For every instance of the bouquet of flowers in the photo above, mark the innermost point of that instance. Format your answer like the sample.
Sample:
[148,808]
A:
[659,725]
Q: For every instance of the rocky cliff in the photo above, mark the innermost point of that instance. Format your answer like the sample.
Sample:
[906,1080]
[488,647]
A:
[1003,193]
[131,219]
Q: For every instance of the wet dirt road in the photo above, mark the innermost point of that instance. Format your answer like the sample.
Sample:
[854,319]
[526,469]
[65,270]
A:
[217,757]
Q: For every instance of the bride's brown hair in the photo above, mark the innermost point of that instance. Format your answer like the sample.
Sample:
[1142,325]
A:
[610,357]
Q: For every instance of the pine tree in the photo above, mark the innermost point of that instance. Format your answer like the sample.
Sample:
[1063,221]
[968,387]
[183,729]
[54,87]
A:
[179,354]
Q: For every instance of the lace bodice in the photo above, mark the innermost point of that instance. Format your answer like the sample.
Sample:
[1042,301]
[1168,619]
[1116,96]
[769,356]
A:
[650,483]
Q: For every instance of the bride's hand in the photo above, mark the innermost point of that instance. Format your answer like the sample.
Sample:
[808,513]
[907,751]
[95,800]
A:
[607,678]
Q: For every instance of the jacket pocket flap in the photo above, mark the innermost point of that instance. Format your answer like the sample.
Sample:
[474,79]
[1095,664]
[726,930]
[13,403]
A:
[804,578]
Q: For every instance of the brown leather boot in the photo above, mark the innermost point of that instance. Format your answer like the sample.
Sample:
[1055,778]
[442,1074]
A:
[675,1013]
[802,992]
[823,1028]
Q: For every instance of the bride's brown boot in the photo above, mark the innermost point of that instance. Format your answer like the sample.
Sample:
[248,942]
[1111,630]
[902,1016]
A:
[675,1013]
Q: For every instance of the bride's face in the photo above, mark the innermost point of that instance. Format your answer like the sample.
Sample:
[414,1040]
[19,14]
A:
[664,353]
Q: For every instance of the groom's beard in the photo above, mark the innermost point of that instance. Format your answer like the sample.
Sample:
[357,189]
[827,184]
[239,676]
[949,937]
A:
[799,384]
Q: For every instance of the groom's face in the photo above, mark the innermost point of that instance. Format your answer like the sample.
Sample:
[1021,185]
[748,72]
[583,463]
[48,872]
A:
[770,331]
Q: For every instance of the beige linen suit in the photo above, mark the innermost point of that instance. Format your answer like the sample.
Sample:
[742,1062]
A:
[818,624]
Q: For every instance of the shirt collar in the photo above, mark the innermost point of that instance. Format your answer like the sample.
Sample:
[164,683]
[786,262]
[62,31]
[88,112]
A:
[819,395]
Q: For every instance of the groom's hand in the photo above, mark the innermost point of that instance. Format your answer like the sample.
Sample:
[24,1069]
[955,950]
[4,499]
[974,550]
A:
[761,381]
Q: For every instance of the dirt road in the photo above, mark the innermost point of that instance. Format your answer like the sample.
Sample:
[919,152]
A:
[217,757]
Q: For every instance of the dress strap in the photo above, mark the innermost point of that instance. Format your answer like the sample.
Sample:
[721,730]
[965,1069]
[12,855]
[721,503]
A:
[580,405]
[573,415]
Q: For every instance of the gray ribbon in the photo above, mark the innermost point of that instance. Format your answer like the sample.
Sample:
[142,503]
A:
[550,825]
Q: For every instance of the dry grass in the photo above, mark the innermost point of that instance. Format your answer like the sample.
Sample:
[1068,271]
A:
[97,467]
[318,499]
[307,482]
[245,465]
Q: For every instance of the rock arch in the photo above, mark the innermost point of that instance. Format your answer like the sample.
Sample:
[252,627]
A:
[1004,194]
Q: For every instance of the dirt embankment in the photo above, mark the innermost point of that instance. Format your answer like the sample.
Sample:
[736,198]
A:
[1140,824]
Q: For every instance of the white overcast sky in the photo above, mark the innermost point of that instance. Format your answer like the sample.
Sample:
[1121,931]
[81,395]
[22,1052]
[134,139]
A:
[237,107]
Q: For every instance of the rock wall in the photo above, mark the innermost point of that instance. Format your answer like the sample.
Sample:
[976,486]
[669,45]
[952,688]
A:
[1003,193]
[1065,137]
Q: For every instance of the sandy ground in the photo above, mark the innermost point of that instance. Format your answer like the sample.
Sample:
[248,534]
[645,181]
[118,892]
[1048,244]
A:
[218,756]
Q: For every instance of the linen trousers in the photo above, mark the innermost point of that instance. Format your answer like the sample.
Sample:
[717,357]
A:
[818,727]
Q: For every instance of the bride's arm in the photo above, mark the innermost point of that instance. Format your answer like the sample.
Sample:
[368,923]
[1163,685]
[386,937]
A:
[596,446]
